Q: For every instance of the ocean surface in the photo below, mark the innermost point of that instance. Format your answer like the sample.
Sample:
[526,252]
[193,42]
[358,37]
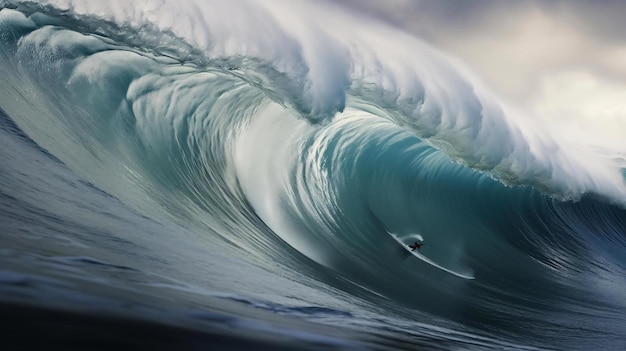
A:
[240,175]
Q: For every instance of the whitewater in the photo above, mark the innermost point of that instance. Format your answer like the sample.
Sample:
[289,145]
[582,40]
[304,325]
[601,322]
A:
[241,175]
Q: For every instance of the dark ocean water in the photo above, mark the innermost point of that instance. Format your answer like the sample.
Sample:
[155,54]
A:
[157,193]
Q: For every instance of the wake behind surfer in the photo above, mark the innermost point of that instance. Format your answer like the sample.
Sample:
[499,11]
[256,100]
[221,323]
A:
[417,245]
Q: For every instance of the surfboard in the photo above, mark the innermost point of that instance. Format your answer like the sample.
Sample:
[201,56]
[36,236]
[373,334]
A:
[419,255]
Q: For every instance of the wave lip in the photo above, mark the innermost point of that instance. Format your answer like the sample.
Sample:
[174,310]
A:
[312,68]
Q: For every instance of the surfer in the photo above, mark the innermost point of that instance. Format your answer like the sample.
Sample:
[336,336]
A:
[416,246]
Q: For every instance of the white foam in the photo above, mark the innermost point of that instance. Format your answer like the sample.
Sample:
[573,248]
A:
[328,53]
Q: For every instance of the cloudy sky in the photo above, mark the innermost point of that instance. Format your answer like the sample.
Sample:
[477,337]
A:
[563,61]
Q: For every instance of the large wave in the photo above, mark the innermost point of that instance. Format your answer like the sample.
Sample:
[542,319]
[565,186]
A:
[325,131]
[313,64]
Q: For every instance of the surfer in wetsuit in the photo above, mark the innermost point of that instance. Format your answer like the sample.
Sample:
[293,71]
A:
[416,246]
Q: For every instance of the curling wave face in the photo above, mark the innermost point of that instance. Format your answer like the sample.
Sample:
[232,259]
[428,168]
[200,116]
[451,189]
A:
[307,142]
[314,64]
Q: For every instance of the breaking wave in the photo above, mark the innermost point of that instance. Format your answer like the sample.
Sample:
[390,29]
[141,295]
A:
[308,139]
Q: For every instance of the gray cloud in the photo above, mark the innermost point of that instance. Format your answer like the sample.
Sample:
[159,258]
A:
[513,45]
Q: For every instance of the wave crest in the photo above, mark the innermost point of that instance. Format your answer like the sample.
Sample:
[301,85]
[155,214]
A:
[323,64]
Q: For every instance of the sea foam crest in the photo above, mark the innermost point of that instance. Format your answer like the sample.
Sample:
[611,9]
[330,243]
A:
[329,53]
